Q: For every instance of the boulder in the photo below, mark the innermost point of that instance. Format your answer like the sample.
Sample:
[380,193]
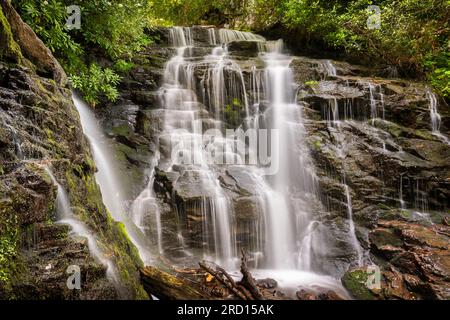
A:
[243,48]
[32,47]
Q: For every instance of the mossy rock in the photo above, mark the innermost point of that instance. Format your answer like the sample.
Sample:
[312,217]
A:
[355,281]
[9,49]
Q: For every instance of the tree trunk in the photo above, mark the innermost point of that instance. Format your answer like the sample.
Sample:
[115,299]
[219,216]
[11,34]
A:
[165,286]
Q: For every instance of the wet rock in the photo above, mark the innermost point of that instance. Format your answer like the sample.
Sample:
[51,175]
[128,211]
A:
[40,127]
[304,295]
[420,256]
[267,283]
[32,47]
[245,208]
[243,48]
[330,295]
[356,282]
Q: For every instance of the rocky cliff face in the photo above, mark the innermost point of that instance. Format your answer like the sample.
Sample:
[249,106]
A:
[40,128]
[368,133]
[397,171]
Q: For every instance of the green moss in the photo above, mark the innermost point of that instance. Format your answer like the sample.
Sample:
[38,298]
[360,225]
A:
[317,144]
[9,49]
[311,83]
[87,202]
[122,130]
[9,238]
[356,283]
[398,131]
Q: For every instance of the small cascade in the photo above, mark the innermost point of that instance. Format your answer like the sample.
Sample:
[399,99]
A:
[329,68]
[16,140]
[402,202]
[376,97]
[107,176]
[417,206]
[355,242]
[335,125]
[332,113]
[79,229]
[145,211]
[227,36]
[435,117]
[180,37]
[180,102]
[212,36]
[271,46]
[225,86]
[373,103]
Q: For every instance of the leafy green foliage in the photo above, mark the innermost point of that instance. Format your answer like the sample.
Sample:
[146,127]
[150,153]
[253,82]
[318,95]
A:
[96,81]
[123,66]
[47,18]
[440,76]
[189,12]
[9,236]
[232,112]
[114,27]
[413,35]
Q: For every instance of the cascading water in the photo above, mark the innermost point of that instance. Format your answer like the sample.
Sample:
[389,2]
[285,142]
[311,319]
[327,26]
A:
[435,117]
[287,238]
[66,216]
[355,241]
[107,177]
[145,211]
[330,69]
[182,127]
[295,171]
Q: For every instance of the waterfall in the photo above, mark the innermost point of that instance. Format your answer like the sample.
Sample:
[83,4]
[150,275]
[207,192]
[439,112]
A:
[183,128]
[217,91]
[373,103]
[227,35]
[107,176]
[435,117]
[355,241]
[330,69]
[145,211]
[79,229]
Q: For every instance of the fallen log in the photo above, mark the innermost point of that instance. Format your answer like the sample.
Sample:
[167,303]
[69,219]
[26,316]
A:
[248,281]
[165,286]
[224,278]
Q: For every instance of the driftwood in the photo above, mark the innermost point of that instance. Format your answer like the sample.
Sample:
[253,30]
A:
[185,284]
[247,279]
[224,278]
[246,289]
[165,286]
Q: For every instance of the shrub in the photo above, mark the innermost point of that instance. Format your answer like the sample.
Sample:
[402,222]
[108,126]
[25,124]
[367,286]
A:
[96,82]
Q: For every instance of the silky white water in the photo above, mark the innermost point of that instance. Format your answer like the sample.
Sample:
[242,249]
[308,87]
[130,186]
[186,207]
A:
[435,117]
[79,229]
[108,176]
[286,237]
[183,129]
